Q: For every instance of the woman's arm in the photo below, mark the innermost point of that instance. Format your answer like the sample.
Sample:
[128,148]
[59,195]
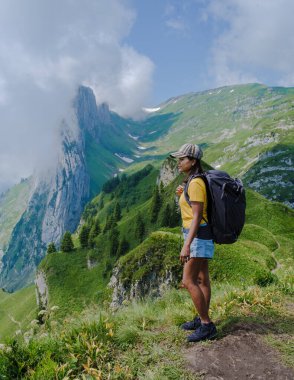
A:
[197,209]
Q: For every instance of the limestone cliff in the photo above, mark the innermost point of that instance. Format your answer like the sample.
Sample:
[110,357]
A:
[58,196]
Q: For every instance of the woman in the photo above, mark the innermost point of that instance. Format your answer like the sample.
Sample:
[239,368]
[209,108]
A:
[198,244]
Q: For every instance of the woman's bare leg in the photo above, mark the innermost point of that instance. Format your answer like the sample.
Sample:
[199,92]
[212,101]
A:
[204,282]
[192,268]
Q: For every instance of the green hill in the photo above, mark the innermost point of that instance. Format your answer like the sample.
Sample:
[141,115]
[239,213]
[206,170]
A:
[246,130]
[17,310]
[151,254]
[79,334]
[12,204]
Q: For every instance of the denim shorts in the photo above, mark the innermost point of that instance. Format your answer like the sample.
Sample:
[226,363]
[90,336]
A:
[199,247]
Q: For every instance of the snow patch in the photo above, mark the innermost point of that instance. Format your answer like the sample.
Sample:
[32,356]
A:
[124,158]
[217,166]
[150,110]
[133,137]
[232,91]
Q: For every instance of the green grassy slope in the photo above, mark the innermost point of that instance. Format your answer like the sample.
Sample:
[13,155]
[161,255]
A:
[246,130]
[252,281]
[17,310]
[12,205]
[252,260]
[73,285]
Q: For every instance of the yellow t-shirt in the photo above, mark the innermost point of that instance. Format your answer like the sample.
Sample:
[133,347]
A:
[197,193]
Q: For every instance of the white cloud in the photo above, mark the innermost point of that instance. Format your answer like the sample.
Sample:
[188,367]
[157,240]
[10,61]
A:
[47,49]
[255,41]
[175,15]
[176,24]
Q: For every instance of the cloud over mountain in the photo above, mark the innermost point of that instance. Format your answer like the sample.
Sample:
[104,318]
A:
[47,49]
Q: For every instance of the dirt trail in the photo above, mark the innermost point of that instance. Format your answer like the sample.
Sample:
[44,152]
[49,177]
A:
[240,355]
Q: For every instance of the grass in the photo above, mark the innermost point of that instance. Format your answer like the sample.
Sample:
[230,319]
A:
[12,205]
[16,311]
[73,285]
[142,339]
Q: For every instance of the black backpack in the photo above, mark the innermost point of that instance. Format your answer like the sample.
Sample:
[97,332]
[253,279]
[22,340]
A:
[226,205]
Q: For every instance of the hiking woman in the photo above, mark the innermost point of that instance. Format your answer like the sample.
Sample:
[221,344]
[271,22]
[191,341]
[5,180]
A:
[198,245]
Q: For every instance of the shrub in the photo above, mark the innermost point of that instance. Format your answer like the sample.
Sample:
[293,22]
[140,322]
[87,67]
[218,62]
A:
[263,278]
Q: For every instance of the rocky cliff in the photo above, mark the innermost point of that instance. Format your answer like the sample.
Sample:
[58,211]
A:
[55,206]
[59,195]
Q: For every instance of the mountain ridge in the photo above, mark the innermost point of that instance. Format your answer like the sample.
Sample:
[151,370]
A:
[244,129]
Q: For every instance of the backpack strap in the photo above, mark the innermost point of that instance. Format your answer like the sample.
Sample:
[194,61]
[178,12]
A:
[193,176]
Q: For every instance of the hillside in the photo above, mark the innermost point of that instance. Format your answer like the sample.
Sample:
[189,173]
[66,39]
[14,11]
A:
[12,204]
[150,255]
[80,333]
[246,130]
[17,310]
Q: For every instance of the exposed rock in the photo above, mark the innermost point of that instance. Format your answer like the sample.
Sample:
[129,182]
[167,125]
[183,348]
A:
[148,270]
[42,293]
[168,172]
[91,263]
[153,285]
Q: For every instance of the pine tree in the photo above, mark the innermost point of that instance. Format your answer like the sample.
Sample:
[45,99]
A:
[114,241]
[84,236]
[165,221]
[117,212]
[123,247]
[161,188]
[140,228]
[67,243]
[155,205]
[51,248]
[101,203]
[97,227]
[174,215]
[91,238]
[110,223]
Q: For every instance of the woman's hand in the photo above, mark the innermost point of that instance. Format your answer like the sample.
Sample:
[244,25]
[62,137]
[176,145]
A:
[185,254]
[179,190]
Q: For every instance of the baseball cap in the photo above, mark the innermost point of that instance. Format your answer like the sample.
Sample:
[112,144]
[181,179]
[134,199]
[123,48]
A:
[188,150]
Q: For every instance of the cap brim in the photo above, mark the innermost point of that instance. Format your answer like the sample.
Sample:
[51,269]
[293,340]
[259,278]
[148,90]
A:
[178,155]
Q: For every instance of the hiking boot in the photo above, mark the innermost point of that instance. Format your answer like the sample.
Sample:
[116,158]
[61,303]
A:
[205,331]
[192,325]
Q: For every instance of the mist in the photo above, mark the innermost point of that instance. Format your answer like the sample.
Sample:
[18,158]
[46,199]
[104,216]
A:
[48,49]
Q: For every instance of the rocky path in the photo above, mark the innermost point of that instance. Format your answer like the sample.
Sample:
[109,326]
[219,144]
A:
[240,355]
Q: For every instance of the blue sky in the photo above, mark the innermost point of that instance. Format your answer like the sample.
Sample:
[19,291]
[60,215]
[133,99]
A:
[132,53]
[201,44]
[175,38]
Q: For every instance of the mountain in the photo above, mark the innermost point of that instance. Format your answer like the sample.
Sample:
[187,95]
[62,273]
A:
[58,196]
[246,130]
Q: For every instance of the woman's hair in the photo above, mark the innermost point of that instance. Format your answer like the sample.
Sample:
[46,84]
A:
[195,169]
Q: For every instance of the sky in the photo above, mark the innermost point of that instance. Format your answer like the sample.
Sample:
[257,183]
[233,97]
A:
[132,53]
